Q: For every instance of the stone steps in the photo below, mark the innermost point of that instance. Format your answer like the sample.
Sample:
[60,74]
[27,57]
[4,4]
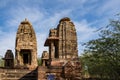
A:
[18,74]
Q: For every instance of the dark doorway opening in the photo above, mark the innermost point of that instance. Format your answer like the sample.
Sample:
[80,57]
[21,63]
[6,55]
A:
[26,56]
[7,63]
[56,52]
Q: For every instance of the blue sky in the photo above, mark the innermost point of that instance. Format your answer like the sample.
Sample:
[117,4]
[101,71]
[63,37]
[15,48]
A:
[87,15]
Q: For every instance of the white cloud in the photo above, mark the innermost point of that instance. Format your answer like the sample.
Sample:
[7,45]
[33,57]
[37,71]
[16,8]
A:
[73,3]
[52,21]
[110,8]
[85,32]
[7,41]
[39,19]
[20,13]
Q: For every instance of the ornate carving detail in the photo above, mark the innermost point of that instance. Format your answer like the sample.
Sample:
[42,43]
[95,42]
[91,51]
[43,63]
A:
[26,41]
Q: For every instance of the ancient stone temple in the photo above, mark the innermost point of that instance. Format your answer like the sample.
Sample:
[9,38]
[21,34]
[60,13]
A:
[62,41]
[63,60]
[67,45]
[26,45]
[60,62]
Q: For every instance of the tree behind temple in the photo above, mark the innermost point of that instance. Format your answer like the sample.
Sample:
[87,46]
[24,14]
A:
[102,55]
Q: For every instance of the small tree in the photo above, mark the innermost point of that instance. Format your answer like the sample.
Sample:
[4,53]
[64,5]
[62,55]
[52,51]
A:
[102,55]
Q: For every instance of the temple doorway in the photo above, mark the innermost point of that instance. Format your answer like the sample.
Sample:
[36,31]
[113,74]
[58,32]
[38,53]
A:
[26,56]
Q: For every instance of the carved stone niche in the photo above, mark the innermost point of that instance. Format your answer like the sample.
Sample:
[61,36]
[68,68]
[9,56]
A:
[45,58]
[9,59]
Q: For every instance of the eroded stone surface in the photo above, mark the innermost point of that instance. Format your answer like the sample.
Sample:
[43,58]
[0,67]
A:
[63,53]
[61,61]
[62,41]
[26,45]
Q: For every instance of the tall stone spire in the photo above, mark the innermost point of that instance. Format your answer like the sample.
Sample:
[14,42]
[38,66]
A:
[67,46]
[26,45]
[62,41]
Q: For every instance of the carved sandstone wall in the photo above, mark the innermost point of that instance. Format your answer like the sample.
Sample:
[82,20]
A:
[67,46]
[62,41]
[26,45]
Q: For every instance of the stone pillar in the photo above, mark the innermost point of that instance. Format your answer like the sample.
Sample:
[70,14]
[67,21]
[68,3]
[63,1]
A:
[52,50]
[17,58]
[43,63]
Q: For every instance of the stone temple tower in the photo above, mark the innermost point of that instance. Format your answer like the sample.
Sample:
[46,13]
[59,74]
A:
[26,45]
[67,45]
[62,41]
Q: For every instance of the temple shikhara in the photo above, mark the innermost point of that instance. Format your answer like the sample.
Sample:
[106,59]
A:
[59,62]
[26,45]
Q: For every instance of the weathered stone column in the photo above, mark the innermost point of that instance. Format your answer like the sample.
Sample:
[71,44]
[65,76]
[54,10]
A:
[52,50]
[43,64]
